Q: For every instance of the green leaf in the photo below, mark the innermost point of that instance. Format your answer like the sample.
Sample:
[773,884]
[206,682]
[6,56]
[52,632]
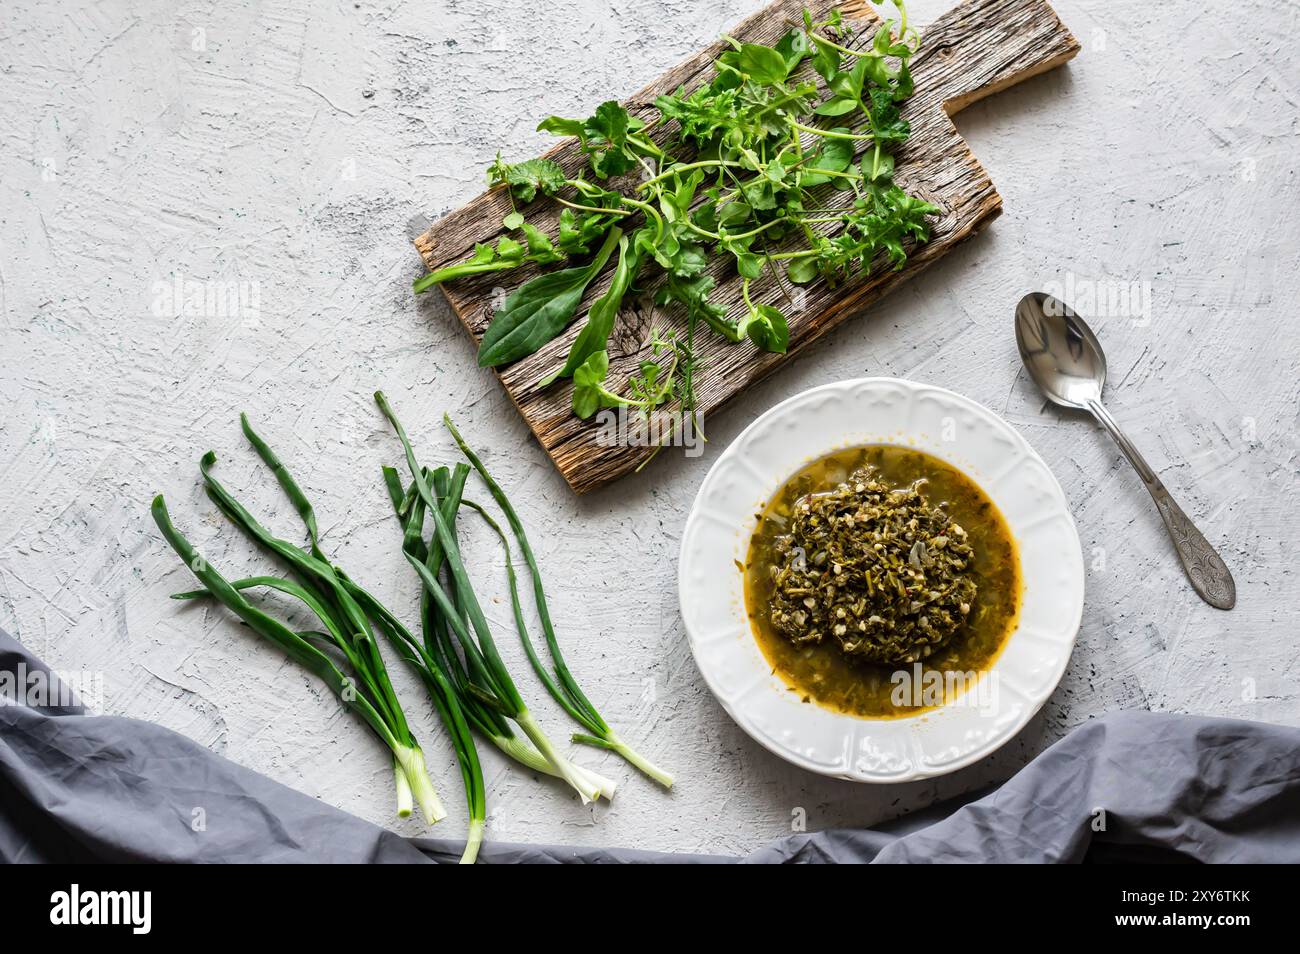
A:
[600,319]
[874,69]
[606,140]
[587,379]
[748,264]
[877,170]
[905,85]
[679,253]
[693,294]
[734,214]
[825,59]
[759,194]
[689,260]
[793,47]
[560,126]
[527,178]
[675,202]
[847,84]
[836,106]
[507,254]
[883,39]
[761,63]
[513,220]
[886,123]
[604,137]
[540,249]
[767,328]
[610,123]
[833,155]
[509,250]
[540,310]
[579,230]
[802,270]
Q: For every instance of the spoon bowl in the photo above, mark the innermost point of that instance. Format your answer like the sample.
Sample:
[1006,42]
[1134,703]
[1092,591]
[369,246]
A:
[1060,351]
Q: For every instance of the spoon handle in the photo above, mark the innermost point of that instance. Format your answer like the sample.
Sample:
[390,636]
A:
[1204,567]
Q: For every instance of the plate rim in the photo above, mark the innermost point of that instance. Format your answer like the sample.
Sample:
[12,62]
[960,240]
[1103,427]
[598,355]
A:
[919,772]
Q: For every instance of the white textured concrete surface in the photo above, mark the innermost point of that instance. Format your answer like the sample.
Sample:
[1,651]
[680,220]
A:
[296,148]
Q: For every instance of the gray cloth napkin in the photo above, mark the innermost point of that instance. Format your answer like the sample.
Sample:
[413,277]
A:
[78,787]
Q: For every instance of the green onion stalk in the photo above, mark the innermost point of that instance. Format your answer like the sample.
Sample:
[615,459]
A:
[485,675]
[347,614]
[560,683]
[449,709]
[438,654]
[357,688]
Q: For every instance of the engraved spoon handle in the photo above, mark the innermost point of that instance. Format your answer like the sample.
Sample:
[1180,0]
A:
[1204,567]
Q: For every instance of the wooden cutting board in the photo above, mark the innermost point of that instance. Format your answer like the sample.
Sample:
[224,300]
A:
[977,48]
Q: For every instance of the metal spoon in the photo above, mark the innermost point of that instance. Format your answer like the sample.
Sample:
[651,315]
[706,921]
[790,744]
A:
[1066,362]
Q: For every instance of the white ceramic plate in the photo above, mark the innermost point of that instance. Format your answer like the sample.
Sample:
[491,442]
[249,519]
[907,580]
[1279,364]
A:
[954,429]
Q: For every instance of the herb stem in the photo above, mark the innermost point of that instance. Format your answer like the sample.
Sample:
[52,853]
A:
[836,46]
[686,167]
[762,228]
[591,208]
[829,133]
[832,172]
[473,840]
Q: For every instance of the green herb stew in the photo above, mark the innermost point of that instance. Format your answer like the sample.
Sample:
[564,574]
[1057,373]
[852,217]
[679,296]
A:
[878,560]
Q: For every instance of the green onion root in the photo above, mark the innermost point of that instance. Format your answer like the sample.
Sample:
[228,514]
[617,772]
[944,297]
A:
[473,838]
[640,761]
[404,798]
[417,776]
[578,780]
[528,757]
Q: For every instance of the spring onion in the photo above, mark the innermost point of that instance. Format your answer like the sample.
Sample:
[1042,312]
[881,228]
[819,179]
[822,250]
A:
[349,615]
[562,686]
[359,688]
[439,653]
[487,677]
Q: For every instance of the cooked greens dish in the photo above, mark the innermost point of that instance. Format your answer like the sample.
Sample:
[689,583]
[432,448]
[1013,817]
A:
[876,558]
[876,568]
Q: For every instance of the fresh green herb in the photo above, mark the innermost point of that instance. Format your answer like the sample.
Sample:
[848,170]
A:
[600,319]
[650,387]
[579,231]
[747,166]
[356,688]
[540,309]
[764,325]
[589,392]
[608,138]
[526,179]
[508,253]
[439,652]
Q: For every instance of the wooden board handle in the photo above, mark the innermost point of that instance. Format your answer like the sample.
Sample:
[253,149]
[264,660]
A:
[982,46]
